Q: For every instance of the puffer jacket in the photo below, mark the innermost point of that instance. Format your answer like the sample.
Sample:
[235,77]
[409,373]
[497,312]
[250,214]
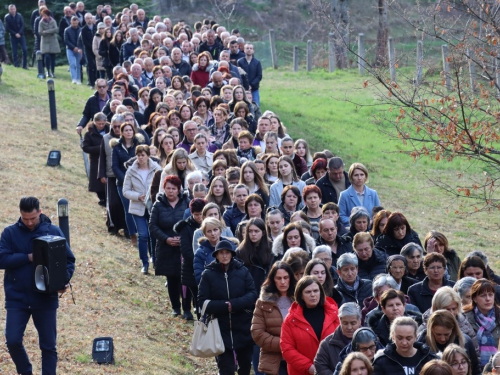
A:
[368,269]
[468,346]
[421,295]
[364,290]
[232,217]
[266,332]
[234,285]
[203,256]
[463,323]
[134,186]
[278,248]
[127,49]
[161,226]
[201,76]
[379,324]
[385,363]
[299,343]
[328,354]
[185,229]
[121,154]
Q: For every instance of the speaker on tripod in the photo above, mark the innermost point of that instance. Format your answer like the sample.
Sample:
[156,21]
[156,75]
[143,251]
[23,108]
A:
[49,260]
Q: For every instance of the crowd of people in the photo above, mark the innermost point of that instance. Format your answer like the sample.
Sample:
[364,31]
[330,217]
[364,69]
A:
[304,267]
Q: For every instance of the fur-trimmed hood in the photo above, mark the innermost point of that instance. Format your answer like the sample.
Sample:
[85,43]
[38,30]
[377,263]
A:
[231,239]
[138,139]
[207,69]
[278,245]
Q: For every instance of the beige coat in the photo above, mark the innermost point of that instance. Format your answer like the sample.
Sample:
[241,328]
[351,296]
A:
[134,187]
[95,49]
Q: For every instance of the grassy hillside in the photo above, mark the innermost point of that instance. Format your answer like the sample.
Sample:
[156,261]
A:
[112,297]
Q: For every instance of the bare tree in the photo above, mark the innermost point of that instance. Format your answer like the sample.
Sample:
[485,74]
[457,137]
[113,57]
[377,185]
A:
[447,123]
[340,16]
[224,9]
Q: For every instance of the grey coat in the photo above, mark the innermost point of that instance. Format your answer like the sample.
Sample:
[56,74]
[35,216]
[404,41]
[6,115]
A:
[48,36]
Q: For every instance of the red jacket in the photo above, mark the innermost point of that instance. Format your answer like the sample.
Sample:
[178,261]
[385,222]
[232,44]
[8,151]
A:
[299,343]
[200,76]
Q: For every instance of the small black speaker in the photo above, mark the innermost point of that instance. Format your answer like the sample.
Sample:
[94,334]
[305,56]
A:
[49,260]
[102,350]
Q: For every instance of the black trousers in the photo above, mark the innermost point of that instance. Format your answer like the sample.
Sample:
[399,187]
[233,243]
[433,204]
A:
[174,288]
[227,365]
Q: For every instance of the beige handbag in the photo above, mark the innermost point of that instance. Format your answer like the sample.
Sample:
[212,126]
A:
[207,339]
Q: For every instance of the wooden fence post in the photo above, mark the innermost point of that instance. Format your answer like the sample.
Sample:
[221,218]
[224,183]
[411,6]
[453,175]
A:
[420,58]
[274,55]
[331,52]
[446,67]
[392,59]
[295,58]
[309,55]
[361,53]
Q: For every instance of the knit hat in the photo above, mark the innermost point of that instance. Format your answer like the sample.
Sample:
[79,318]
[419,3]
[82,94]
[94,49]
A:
[392,258]
[356,213]
[224,245]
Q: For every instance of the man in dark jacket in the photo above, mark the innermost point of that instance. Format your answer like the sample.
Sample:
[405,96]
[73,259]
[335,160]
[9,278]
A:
[65,21]
[253,68]
[328,236]
[183,68]
[21,299]
[334,181]
[130,45]
[234,214]
[350,285]
[87,37]
[236,54]
[95,103]
[14,25]
[371,261]
[211,45]
[190,130]
[74,49]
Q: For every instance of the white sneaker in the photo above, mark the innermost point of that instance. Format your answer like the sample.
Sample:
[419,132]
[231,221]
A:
[73,82]
[78,83]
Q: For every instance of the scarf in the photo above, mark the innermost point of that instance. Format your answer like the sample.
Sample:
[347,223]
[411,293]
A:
[487,324]
[248,154]
[351,289]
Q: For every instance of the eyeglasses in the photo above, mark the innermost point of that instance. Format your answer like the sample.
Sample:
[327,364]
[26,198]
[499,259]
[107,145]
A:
[368,349]
[463,363]
[435,268]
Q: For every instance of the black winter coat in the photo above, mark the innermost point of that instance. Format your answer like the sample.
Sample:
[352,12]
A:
[92,146]
[385,363]
[232,217]
[161,226]
[328,193]
[114,54]
[91,108]
[235,286]
[468,346]
[406,282]
[379,324]
[342,247]
[127,49]
[392,246]
[253,70]
[183,69]
[368,269]
[364,291]
[421,295]
[185,229]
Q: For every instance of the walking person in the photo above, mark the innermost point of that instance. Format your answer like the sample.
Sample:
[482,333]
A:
[14,25]
[22,302]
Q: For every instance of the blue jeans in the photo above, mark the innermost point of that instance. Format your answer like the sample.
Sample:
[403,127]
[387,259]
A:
[74,64]
[45,324]
[141,223]
[256,97]
[129,219]
[15,43]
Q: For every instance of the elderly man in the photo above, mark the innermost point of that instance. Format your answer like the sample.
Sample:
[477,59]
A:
[139,79]
[217,82]
[87,36]
[130,45]
[141,20]
[371,261]
[328,236]
[350,285]
[65,21]
[253,68]
[14,26]
[95,103]
[334,181]
[212,45]
[201,158]
[190,130]
[183,68]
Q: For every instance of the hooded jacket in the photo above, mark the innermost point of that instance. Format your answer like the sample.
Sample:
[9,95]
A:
[278,249]
[134,186]
[18,282]
[185,229]
[379,324]
[368,269]
[266,332]
[385,362]
[421,295]
[235,285]
[299,343]
[201,76]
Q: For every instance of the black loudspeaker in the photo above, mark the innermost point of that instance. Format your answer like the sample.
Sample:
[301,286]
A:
[49,260]
[102,350]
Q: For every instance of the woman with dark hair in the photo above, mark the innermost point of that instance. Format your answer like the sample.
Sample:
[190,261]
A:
[155,97]
[115,47]
[250,177]
[104,46]
[318,170]
[311,318]
[292,236]
[202,105]
[297,260]
[49,46]
[287,176]
[272,173]
[185,229]
[290,202]
[421,293]
[228,291]
[167,211]
[457,358]
[379,221]
[435,241]
[220,129]
[200,73]
[193,58]
[397,233]
[174,119]
[484,316]
[239,96]
[178,84]
[186,113]
[316,267]
[312,207]
[135,188]
[242,111]
[92,146]
[166,147]
[276,297]
[414,255]
[218,193]
[436,367]
[474,266]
